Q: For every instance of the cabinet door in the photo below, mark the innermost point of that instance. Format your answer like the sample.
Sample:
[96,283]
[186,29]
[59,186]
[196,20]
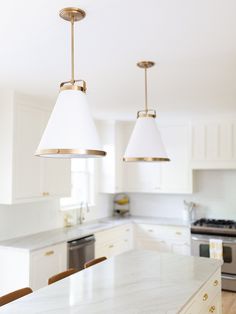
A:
[180,248]
[56,177]
[56,173]
[216,305]
[46,263]
[27,168]
[35,178]
[142,177]
[213,145]
[176,175]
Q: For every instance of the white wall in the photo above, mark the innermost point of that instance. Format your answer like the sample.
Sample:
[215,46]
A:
[214,193]
[24,219]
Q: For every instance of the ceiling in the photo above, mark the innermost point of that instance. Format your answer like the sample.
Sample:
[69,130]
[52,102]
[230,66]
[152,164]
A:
[193,43]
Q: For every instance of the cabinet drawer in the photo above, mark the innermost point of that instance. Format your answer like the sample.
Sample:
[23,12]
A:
[181,233]
[114,233]
[205,299]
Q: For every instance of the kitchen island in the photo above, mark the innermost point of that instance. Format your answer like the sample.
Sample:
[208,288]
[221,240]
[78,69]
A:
[136,282]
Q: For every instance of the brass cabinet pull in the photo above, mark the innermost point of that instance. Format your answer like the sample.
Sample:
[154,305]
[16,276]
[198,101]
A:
[205,297]
[45,193]
[215,283]
[212,309]
[49,253]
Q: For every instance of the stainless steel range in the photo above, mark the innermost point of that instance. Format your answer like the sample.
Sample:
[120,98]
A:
[202,231]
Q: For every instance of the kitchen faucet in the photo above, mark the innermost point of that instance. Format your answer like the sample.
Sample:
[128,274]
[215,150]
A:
[81,212]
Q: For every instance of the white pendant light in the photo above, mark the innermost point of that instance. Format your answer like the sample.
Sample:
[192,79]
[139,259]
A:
[145,143]
[71,131]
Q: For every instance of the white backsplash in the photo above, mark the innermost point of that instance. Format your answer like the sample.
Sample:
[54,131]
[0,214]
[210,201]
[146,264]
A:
[214,193]
[24,219]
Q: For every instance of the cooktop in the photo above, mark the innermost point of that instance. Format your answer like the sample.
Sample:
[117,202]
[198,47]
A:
[214,226]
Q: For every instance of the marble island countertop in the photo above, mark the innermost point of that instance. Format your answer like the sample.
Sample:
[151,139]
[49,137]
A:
[137,282]
[43,239]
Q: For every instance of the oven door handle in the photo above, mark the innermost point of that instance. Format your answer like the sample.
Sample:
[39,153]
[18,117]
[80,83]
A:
[196,238]
[229,277]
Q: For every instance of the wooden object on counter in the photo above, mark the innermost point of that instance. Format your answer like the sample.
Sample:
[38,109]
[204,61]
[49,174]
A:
[12,296]
[94,261]
[62,275]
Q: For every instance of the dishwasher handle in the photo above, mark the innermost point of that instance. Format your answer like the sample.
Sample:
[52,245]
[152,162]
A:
[81,242]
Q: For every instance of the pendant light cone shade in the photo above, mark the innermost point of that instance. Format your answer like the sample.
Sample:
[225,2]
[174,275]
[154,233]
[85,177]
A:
[145,143]
[70,132]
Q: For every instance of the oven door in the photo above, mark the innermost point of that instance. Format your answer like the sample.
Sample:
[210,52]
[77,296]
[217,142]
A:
[200,247]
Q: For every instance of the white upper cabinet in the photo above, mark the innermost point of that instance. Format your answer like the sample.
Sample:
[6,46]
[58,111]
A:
[26,178]
[111,166]
[176,175]
[213,145]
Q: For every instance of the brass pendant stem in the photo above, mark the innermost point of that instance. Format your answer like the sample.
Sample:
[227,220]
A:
[146,97]
[72,52]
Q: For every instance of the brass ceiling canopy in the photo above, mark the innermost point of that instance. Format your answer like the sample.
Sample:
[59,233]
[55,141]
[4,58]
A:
[145,64]
[72,14]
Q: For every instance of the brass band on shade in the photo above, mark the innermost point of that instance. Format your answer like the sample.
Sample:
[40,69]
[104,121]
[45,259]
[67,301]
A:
[55,151]
[72,87]
[147,159]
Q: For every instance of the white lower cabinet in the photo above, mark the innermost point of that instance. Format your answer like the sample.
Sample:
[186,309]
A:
[162,238]
[208,299]
[33,268]
[22,268]
[46,263]
[114,241]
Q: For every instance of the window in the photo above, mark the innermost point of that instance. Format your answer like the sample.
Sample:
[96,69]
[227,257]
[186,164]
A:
[82,184]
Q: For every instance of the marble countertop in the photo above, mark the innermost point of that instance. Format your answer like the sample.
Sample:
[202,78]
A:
[137,282]
[43,239]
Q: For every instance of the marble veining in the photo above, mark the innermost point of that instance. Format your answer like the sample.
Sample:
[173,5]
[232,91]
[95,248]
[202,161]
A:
[136,282]
[43,239]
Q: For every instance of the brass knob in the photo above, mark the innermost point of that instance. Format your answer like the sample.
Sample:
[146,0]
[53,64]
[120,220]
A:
[205,297]
[212,309]
[215,283]
[45,193]
[49,253]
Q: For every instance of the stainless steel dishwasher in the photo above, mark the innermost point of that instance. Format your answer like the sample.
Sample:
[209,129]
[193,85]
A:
[80,251]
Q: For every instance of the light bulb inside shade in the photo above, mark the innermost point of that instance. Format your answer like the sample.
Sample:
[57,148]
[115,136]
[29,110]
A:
[145,143]
[71,131]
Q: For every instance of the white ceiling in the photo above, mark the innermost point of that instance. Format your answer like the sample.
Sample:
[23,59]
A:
[193,43]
